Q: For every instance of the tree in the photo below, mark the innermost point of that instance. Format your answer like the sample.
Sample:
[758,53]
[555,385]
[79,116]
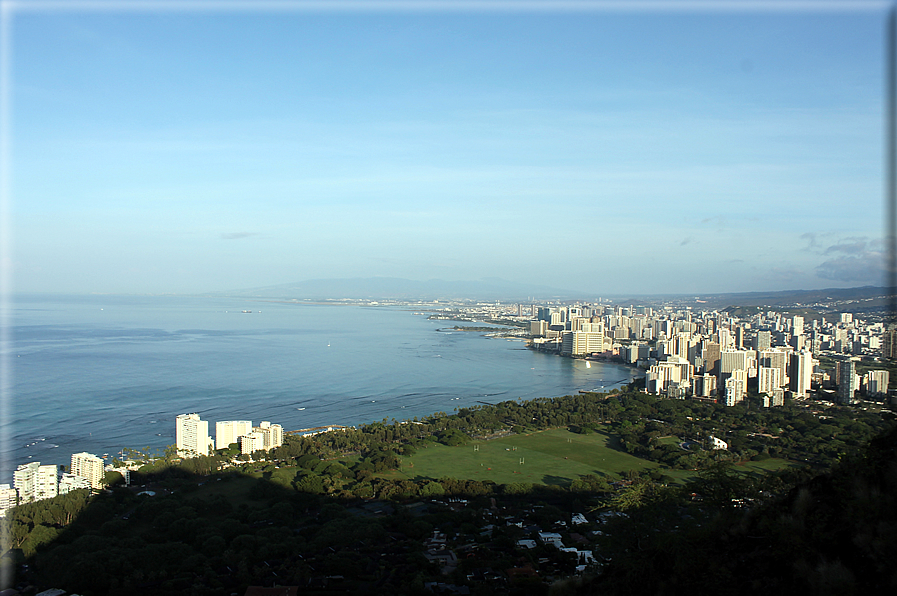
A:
[432,489]
[111,478]
[38,536]
[634,496]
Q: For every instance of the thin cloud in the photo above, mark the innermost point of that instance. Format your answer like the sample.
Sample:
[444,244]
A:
[788,274]
[823,244]
[866,267]
[810,237]
[237,235]
[850,248]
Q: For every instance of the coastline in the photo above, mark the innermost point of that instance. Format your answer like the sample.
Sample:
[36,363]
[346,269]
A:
[175,355]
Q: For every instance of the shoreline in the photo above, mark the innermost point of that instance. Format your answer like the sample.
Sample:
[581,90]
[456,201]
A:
[420,372]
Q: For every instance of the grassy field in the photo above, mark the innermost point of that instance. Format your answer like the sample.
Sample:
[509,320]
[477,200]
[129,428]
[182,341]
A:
[762,467]
[555,456]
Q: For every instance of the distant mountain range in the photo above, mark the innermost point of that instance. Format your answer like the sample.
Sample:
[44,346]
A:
[490,289]
[873,294]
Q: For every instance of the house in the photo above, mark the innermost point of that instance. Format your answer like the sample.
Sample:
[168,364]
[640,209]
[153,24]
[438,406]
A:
[551,538]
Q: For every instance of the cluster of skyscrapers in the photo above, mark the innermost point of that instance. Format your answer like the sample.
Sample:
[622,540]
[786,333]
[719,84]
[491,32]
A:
[192,436]
[715,356]
[34,482]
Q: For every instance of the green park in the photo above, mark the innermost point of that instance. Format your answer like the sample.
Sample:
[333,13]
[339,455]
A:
[555,456]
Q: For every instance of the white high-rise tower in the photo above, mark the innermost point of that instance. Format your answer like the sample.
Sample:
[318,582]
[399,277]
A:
[801,373]
[192,436]
[90,467]
[229,431]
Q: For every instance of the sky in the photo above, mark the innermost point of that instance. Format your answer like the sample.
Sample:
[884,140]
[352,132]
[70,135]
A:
[675,151]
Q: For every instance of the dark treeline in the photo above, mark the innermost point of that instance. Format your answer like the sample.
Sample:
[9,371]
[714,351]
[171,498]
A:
[188,542]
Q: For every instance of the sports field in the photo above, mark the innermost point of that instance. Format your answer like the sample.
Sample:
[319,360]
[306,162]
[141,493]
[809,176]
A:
[555,456]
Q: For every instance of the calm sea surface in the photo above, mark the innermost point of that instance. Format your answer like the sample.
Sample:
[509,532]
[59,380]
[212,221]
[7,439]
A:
[99,373]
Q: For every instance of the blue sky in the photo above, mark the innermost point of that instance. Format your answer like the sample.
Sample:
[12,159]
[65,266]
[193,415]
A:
[599,151]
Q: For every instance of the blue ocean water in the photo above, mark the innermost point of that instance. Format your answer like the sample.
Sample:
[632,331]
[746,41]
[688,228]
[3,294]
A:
[99,373]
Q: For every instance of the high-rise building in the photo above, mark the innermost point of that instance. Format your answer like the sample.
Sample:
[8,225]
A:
[801,373]
[736,359]
[265,436]
[763,340]
[775,399]
[579,343]
[25,480]
[847,381]
[775,358]
[228,432]
[704,385]
[736,384]
[254,441]
[536,328]
[577,324]
[798,342]
[90,467]
[726,338]
[876,382]
[710,354]
[272,434]
[8,499]
[672,376]
[769,379]
[680,344]
[192,436]
[889,344]
[36,482]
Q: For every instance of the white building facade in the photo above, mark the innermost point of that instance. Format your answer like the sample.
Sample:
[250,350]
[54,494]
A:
[35,482]
[230,431]
[89,467]
[192,436]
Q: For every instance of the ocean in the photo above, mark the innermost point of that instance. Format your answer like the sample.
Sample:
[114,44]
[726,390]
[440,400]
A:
[100,373]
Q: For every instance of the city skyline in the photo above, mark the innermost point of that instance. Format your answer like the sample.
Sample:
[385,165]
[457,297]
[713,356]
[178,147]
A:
[592,149]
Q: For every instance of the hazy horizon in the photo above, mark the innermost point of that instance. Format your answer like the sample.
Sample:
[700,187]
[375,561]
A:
[383,288]
[603,151]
